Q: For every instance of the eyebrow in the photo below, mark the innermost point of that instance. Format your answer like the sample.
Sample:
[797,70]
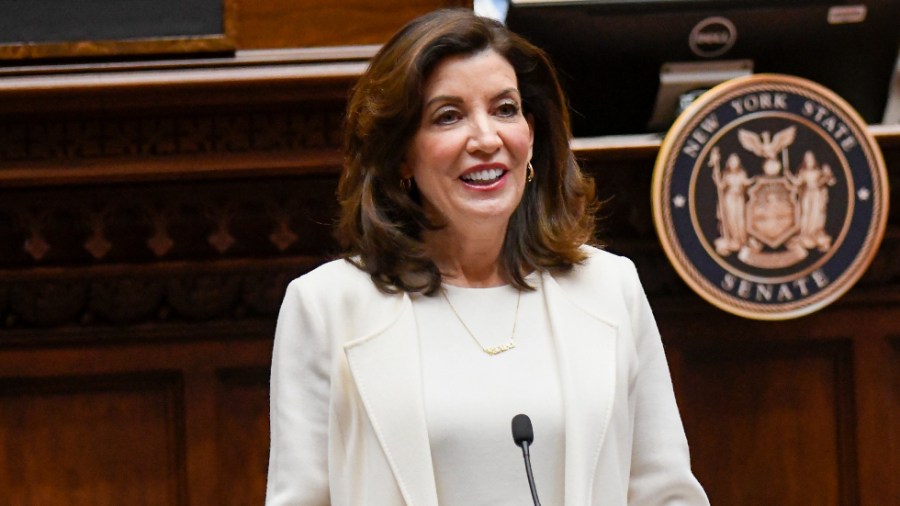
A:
[457,99]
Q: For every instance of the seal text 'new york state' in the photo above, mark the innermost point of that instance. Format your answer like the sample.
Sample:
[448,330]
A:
[747,104]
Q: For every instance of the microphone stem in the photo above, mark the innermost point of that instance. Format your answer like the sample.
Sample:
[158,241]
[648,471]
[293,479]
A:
[527,456]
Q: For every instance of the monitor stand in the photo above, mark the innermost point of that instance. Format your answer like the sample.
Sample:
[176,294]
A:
[682,82]
[892,109]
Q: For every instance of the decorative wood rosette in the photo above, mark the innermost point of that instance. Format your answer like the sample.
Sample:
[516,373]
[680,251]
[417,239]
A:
[770,197]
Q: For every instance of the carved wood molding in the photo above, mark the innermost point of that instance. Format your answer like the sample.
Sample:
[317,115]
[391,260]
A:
[165,295]
[192,221]
[263,113]
[197,144]
[138,254]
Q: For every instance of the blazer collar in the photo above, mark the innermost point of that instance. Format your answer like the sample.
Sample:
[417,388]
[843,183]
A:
[386,368]
[586,355]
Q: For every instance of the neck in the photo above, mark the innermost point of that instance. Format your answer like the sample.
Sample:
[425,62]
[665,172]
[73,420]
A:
[468,260]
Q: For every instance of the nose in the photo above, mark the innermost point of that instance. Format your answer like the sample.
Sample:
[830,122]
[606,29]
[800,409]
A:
[484,136]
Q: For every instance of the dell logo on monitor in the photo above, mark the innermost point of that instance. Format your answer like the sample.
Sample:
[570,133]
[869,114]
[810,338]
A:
[713,37]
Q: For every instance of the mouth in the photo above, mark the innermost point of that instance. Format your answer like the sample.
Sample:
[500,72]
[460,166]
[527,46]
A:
[483,177]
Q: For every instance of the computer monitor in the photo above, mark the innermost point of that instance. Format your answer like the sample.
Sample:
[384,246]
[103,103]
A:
[626,64]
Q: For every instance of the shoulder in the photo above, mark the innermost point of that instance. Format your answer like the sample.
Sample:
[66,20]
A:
[602,277]
[341,292]
[602,266]
[335,272]
[601,259]
[337,279]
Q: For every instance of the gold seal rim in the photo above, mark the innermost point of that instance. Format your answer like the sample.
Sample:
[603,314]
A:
[673,142]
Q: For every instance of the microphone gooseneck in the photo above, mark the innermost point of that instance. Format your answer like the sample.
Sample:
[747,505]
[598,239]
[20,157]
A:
[523,435]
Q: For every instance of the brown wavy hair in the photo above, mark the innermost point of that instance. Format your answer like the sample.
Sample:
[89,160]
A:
[381,224]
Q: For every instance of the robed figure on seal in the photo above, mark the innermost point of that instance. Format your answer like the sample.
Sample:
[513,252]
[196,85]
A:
[813,181]
[732,186]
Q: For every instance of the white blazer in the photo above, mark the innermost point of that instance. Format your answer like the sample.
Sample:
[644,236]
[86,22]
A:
[347,418]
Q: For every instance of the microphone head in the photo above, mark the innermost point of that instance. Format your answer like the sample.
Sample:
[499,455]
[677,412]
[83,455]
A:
[522,431]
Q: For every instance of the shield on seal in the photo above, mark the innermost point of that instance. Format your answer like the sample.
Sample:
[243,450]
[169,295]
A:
[773,212]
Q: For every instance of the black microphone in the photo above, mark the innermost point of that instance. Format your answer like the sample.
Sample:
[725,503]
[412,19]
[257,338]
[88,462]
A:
[523,435]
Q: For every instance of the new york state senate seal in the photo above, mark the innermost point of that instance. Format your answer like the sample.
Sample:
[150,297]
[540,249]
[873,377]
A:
[770,197]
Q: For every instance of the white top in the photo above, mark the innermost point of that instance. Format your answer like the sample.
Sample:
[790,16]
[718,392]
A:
[471,397]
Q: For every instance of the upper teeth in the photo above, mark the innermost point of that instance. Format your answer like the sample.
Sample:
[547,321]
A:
[484,175]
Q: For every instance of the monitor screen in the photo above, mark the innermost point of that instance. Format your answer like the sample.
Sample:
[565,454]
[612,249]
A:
[627,65]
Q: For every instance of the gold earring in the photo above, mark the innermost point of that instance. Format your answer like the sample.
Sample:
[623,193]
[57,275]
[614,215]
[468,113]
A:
[530,176]
[406,184]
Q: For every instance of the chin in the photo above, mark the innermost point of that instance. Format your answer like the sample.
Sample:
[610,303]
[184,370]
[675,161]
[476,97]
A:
[492,214]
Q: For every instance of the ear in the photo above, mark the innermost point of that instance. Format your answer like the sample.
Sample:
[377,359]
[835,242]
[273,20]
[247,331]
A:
[529,118]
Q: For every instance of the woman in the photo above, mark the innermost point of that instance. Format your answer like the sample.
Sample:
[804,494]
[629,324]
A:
[467,297]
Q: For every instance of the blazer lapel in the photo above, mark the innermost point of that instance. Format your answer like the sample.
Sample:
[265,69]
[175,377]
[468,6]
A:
[586,351]
[386,369]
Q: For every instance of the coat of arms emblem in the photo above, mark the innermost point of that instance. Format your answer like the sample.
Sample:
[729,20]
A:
[781,209]
[769,196]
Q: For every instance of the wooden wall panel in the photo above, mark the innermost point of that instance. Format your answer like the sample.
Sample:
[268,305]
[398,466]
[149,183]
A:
[135,415]
[891,443]
[854,333]
[92,441]
[242,416]
[764,423]
[876,382]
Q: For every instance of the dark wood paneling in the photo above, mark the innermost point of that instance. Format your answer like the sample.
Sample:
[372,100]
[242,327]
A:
[891,446]
[765,423]
[92,441]
[242,436]
[130,415]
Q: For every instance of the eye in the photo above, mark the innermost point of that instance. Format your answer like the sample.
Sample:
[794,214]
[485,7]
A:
[447,116]
[508,109]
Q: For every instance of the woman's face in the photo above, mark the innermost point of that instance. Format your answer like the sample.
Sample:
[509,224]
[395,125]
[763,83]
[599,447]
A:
[469,154]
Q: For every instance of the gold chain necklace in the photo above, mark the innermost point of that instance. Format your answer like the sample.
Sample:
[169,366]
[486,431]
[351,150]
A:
[490,350]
